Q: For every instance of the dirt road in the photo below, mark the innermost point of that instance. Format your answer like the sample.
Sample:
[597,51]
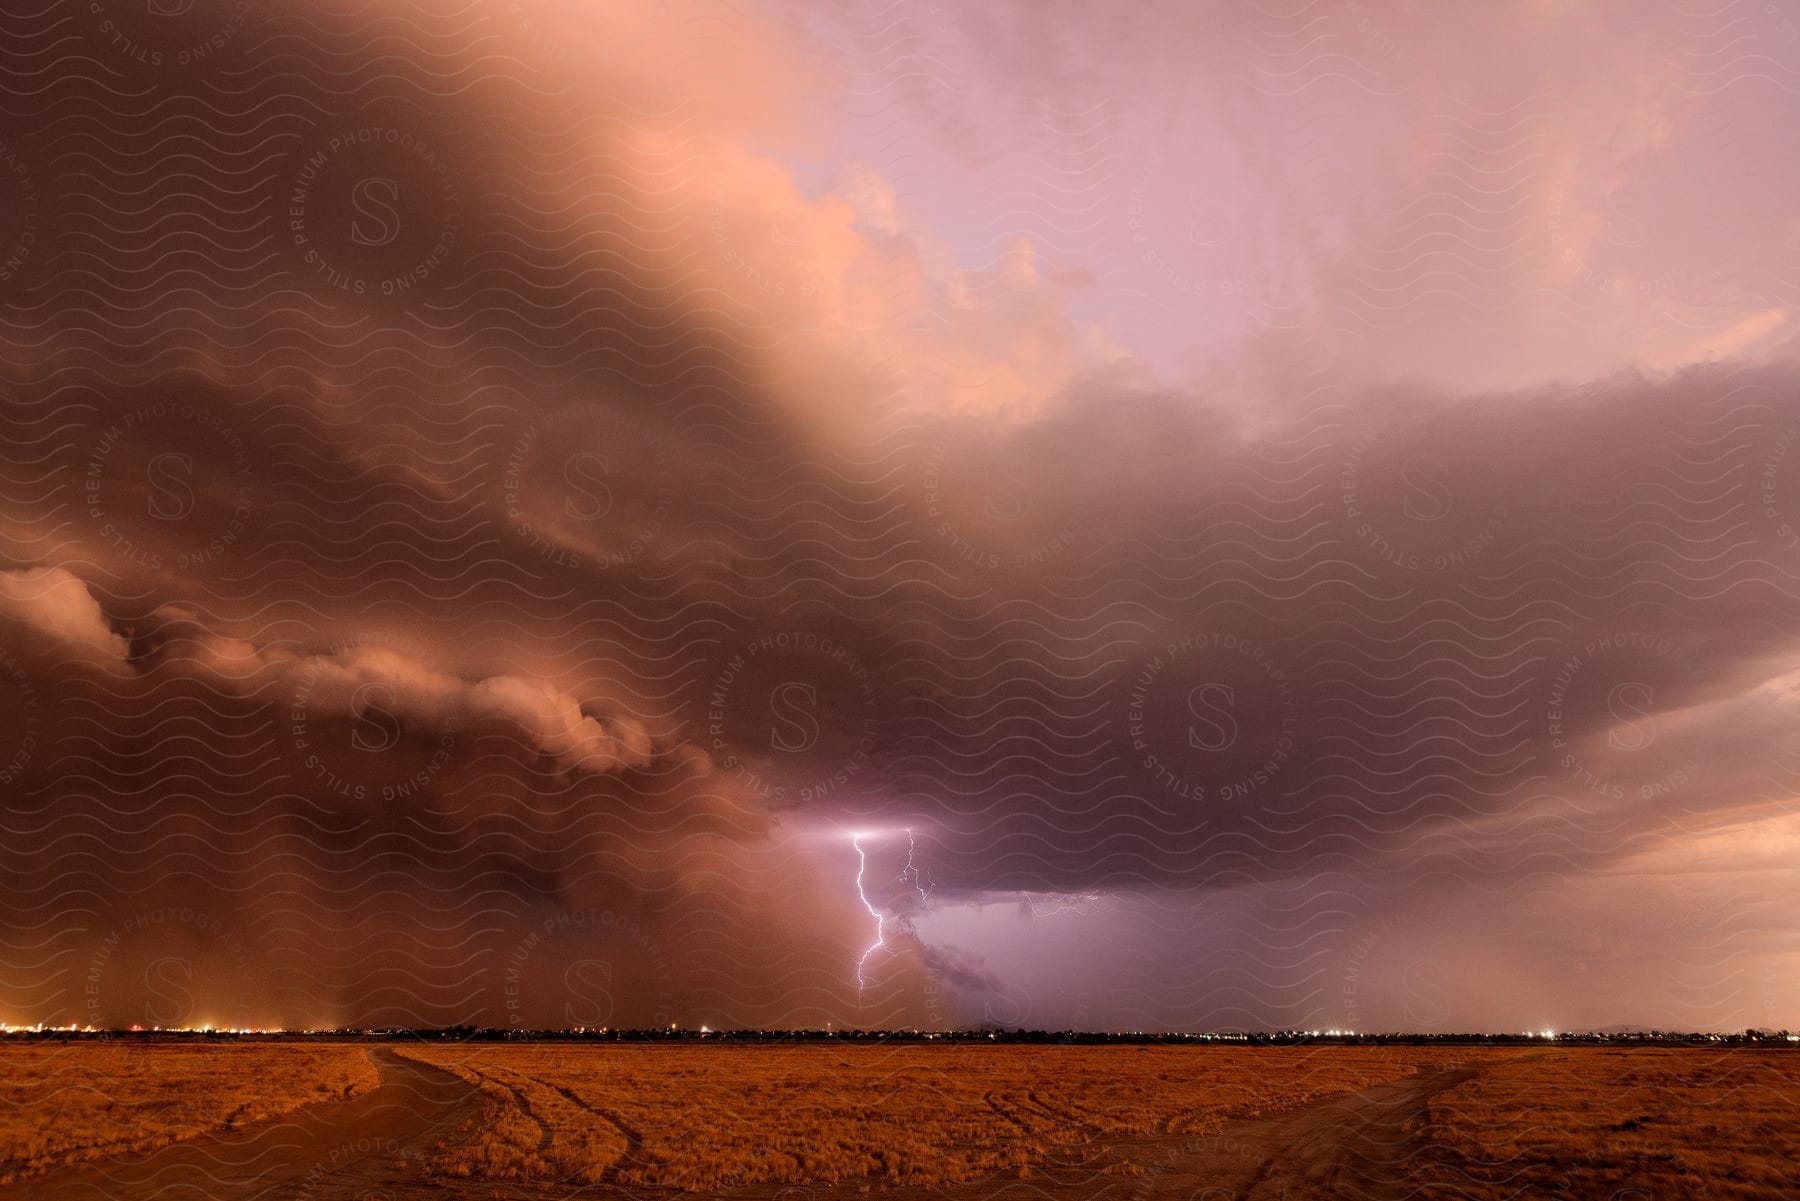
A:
[336,1152]
[1366,1146]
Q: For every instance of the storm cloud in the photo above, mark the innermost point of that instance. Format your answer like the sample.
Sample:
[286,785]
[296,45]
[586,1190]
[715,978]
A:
[566,515]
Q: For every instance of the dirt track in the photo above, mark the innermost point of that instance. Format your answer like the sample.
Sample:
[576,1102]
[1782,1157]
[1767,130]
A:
[337,1152]
[1369,1145]
[1364,1145]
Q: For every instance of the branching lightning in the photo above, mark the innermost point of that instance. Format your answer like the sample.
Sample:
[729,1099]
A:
[910,875]
[880,943]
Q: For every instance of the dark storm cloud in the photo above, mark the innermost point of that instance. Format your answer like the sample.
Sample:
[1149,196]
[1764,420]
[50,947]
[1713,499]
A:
[1380,619]
[320,672]
[484,539]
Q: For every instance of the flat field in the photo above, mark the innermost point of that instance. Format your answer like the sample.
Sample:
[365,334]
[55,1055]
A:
[704,1118]
[343,1121]
[1626,1125]
[66,1103]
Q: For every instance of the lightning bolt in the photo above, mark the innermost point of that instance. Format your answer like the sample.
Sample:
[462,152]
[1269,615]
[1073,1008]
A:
[1074,902]
[910,875]
[880,943]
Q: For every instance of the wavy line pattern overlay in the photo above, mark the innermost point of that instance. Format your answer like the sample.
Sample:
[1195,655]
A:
[548,514]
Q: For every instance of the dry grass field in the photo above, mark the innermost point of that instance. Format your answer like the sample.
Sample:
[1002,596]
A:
[702,1118]
[534,1121]
[62,1104]
[1624,1125]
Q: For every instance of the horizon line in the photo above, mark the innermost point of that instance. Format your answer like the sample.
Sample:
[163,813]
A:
[676,1033]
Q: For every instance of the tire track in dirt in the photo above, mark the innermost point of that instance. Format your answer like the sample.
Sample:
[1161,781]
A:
[1367,1146]
[1064,1110]
[1038,1105]
[334,1151]
[544,1136]
[1005,1109]
[634,1141]
[1371,1145]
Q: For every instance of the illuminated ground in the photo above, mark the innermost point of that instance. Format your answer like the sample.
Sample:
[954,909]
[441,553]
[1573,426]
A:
[555,1120]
